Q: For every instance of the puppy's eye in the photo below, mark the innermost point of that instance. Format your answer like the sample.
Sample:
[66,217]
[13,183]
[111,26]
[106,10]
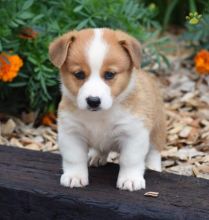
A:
[108,75]
[79,75]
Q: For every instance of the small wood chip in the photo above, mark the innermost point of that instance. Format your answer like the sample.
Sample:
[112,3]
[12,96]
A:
[16,142]
[29,117]
[195,171]
[33,146]
[151,194]
[185,132]
[8,127]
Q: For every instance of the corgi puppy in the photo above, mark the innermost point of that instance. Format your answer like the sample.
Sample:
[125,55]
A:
[108,104]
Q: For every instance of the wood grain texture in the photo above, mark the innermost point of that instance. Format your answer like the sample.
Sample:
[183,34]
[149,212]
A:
[29,189]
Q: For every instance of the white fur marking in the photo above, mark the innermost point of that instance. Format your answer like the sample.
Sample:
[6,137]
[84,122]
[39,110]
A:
[96,52]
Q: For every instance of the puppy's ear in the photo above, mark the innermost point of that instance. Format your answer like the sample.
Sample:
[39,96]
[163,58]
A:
[59,47]
[131,46]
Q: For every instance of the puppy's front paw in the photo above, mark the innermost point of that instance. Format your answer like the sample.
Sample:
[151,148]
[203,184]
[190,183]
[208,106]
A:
[71,181]
[130,179]
[131,184]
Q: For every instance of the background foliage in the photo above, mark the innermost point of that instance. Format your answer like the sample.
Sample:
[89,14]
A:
[27,27]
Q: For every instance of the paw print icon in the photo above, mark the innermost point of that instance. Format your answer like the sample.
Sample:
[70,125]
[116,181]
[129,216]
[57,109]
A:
[194,18]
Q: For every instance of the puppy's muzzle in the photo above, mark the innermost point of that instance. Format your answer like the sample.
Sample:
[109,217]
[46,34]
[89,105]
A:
[93,103]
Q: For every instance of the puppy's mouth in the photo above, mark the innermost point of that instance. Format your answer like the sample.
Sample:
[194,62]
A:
[94,109]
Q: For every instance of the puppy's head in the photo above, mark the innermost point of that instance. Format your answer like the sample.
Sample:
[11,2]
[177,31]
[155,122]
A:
[95,65]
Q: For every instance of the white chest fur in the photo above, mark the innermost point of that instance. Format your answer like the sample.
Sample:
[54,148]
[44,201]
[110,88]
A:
[103,130]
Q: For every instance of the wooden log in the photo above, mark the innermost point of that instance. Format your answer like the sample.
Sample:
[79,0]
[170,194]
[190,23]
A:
[30,189]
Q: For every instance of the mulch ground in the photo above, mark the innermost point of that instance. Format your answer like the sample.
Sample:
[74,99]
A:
[186,96]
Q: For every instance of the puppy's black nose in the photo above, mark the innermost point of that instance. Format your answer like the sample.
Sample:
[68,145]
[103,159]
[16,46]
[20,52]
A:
[93,102]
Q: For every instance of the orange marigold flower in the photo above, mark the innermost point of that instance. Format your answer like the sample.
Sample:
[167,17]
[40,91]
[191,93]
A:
[9,66]
[202,62]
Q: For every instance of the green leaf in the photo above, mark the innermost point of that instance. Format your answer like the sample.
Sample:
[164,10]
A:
[25,15]
[22,75]
[48,69]
[19,21]
[43,85]
[36,18]
[17,84]
[13,24]
[1,48]
[32,60]
[169,9]
[27,4]
[92,23]
[82,24]
[78,8]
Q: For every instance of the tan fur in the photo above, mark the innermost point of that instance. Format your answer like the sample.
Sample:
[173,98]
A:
[121,58]
[74,59]
[132,46]
[59,47]
[66,105]
[144,101]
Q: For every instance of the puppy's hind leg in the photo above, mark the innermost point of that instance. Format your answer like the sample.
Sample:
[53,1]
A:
[153,160]
[96,158]
[158,138]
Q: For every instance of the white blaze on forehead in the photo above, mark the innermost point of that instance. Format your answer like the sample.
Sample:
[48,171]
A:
[96,51]
[95,85]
